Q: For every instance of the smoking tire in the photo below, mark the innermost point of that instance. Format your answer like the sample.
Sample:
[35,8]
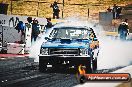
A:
[94,59]
[89,68]
[94,64]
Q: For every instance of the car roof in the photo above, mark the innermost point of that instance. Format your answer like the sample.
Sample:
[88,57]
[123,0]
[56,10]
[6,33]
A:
[71,27]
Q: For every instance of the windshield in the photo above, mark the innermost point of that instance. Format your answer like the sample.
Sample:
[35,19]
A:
[70,33]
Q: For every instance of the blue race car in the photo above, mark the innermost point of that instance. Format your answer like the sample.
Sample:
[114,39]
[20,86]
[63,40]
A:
[67,47]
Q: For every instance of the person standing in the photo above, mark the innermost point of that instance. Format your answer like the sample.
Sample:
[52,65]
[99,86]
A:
[21,28]
[123,30]
[114,10]
[35,29]
[55,10]
[118,12]
[28,34]
[49,24]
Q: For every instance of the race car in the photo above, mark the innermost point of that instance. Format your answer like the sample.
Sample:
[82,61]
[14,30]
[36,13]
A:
[67,47]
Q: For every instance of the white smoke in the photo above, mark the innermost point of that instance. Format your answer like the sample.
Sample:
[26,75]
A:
[113,53]
[35,48]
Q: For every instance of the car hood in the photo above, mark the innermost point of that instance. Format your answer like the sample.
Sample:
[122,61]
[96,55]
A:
[66,44]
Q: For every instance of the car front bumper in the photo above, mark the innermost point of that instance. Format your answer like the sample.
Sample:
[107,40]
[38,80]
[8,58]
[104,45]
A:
[71,60]
[62,64]
[49,57]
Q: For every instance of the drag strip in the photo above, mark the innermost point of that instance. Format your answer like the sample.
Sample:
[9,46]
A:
[23,72]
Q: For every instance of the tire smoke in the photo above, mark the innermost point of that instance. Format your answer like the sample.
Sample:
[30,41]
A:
[113,52]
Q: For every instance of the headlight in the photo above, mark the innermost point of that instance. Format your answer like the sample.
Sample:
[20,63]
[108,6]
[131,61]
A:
[44,51]
[84,52]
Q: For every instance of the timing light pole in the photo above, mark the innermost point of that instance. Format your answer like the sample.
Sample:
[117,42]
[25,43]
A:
[38,9]
[63,9]
[11,7]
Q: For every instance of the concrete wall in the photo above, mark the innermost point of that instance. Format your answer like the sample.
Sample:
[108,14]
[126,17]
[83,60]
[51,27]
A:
[105,18]
[7,24]
[12,20]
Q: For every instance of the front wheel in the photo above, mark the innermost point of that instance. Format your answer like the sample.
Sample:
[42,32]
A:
[94,64]
[89,68]
[42,67]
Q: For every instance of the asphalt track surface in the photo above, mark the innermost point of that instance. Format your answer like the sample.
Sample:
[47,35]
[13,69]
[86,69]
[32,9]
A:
[23,72]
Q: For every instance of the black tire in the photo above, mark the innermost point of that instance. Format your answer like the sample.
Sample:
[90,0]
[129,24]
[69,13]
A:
[88,66]
[94,64]
[42,65]
[89,70]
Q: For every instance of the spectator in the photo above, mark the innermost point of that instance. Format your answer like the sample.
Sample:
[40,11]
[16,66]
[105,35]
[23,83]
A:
[118,12]
[35,29]
[49,24]
[114,10]
[21,28]
[123,30]
[55,10]
[29,19]
[28,30]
